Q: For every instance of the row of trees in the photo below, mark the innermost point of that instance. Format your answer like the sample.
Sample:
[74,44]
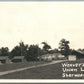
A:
[30,52]
[33,51]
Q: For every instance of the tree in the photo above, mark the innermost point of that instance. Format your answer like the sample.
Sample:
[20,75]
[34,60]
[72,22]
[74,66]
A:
[81,50]
[64,47]
[46,47]
[4,51]
[19,50]
[33,52]
[24,48]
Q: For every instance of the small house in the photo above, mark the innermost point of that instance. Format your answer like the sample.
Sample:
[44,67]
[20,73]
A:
[46,57]
[4,60]
[18,59]
[50,57]
[72,58]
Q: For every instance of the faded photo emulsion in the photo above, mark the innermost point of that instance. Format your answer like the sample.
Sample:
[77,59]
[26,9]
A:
[41,40]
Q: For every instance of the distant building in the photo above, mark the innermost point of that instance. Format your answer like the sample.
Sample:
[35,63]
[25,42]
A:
[18,59]
[4,60]
[78,54]
[80,51]
[50,57]
[72,57]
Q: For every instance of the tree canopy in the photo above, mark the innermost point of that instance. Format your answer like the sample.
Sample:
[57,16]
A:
[64,47]
[19,50]
[33,52]
[4,51]
[46,46]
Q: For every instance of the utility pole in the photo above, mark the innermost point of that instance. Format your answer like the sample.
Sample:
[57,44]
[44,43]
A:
[21,47]
[38,50]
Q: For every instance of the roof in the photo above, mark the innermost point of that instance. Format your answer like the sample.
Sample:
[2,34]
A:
[82,52]
[71,55]
[18,57]
[56,53]
[47,55]
[3,57]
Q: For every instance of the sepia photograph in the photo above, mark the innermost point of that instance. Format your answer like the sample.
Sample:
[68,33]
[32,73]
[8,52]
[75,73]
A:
[41,40]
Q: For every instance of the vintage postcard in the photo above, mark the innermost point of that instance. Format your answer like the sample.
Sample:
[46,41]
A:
[41,40]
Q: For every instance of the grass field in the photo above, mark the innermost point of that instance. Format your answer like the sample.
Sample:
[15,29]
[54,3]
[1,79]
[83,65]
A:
[46,72]
[6,67]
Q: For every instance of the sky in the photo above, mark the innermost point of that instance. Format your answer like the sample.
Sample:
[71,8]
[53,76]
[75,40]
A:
[35,22]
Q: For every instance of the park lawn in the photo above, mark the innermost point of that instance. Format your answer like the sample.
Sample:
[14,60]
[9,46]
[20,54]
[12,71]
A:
[53,71]
[7,67]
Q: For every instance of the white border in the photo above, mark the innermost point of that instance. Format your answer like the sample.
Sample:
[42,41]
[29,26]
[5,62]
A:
[41,81]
